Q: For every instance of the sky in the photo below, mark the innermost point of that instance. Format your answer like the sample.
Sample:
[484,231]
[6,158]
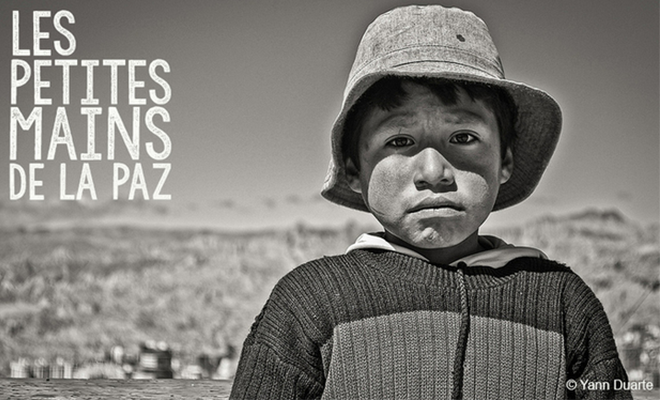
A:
[256,85]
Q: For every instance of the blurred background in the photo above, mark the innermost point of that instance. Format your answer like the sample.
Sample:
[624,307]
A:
[144,287]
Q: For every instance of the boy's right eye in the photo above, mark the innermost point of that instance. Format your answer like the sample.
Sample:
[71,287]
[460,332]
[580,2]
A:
[400,141]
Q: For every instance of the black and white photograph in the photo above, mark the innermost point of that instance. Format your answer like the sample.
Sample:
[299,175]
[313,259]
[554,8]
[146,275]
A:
[306,199]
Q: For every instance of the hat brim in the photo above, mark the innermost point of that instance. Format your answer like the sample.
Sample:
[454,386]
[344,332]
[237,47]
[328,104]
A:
[538,125]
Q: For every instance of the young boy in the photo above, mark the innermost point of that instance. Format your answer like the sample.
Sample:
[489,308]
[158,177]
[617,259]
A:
[431,138]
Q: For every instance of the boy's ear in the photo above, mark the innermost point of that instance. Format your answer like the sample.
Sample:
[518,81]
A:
[353,176]
[507,166]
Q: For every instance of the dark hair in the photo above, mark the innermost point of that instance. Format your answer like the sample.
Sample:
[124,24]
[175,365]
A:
[388,93]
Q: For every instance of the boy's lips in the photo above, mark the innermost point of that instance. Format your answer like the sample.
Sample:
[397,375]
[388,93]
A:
[436,203]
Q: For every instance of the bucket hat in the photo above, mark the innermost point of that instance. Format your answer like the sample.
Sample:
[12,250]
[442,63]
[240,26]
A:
[438,42]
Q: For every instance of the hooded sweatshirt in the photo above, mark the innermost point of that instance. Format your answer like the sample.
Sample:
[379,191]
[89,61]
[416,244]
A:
[382,322]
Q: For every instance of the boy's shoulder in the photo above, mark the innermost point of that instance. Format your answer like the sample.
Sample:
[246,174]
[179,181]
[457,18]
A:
[540,264]
[324,268]
[327,275]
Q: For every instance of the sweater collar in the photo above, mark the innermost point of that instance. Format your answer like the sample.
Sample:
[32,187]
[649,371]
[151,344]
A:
[499,252]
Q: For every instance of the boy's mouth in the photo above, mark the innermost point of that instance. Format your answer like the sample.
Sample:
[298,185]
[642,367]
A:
[435,203]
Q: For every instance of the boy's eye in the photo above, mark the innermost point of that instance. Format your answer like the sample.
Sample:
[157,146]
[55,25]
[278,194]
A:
[400,141]
[463,138]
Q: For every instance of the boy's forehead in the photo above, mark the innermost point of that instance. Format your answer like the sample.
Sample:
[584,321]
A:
[418,106]
[455,115]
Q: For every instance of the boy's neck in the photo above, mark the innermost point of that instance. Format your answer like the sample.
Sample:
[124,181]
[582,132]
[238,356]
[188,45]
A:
[445,255]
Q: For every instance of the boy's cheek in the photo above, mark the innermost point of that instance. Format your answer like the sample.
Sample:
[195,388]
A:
[385,186]
[486,160]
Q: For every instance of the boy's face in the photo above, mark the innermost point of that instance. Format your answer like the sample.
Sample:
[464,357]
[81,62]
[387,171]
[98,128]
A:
[430,172]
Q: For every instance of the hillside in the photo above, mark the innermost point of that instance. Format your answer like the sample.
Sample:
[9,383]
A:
[620,260]
[76,291]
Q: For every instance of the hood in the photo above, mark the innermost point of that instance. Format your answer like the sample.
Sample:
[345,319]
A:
[499,252]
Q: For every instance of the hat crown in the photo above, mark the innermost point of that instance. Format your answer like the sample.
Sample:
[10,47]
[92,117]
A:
[426,34]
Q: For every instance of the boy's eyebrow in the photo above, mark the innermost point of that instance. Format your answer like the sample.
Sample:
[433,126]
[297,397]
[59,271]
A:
[460,117]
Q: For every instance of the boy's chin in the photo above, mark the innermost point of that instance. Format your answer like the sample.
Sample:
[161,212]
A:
[428,239]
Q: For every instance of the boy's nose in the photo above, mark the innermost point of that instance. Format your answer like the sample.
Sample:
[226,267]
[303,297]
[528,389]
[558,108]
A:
[432,169]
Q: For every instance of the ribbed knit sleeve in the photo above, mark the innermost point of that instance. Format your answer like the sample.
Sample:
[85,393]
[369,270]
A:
[279,359]
[592,357]
[262,374]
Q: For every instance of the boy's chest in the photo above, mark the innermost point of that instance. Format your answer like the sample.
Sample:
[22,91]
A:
[406,345]
[413,355]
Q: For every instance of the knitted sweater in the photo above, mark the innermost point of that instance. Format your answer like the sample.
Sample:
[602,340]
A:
[375,324]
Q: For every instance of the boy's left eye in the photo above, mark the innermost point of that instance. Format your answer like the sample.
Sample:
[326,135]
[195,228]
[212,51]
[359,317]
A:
[400,141]
[462,138]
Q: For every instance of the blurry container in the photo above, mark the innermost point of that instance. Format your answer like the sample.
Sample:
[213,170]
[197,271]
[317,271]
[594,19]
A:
[191,372]
[149,361]
[68,370]
[41,369]
[117,355]
[155,362]
[20,369]
[61,369]
[57,371]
